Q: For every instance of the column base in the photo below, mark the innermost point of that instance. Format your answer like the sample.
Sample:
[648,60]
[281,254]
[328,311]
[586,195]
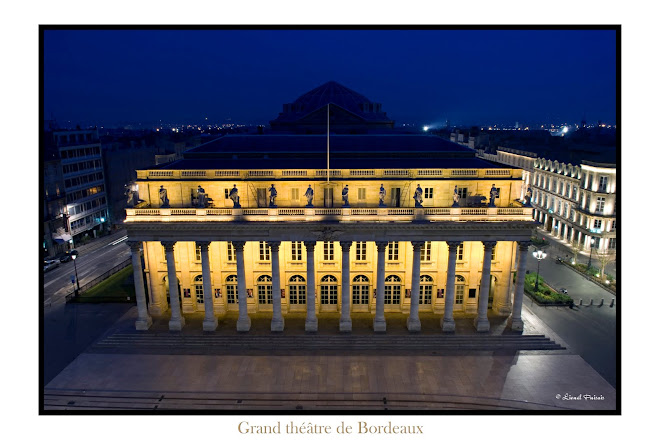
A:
[210,326]
[177,324]
[312,326]
[380,326]
[448,326]
[516,324]
[414,325]
[243,325]
[482,325]
[143,324]
[277,325]
[345,326]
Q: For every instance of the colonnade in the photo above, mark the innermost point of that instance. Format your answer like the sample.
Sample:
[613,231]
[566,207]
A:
[210,323]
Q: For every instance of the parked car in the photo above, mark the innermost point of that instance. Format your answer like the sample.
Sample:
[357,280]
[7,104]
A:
[50,264]
[67,256]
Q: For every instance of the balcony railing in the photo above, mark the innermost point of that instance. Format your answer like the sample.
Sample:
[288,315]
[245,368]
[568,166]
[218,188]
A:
[147,214]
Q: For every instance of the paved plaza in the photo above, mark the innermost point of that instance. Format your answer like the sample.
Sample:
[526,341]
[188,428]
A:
[483,380]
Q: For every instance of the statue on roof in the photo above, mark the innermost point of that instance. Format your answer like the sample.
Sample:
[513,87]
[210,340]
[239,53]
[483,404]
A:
[528,197]
[164,201]
[344,196]
[273,195]
[310,196]
[381,196]
[418,197]
[456,197]
[201,197]
[132,197]
[494,193]
[233,195]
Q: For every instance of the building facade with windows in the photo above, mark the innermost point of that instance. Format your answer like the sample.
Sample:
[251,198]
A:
[75,178]
[386,223]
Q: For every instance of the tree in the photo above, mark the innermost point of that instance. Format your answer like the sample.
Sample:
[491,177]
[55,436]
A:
[575,249]
[605,256]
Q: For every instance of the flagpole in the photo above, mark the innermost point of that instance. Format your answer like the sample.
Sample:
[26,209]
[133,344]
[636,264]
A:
[328,147]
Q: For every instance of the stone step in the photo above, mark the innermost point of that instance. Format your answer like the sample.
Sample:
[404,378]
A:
[325,342]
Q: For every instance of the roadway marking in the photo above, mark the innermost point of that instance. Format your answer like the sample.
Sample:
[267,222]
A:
[119,241]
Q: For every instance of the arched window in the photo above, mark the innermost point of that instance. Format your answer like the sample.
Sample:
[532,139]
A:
[297,290]
[393,290]
[360,290]
[199,289]
[460,289]
[265,289]
[425,289]
[231,286]
[328,290]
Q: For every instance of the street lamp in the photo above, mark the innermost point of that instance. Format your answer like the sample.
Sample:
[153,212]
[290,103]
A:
[539,255]
[590,252]
[73,257]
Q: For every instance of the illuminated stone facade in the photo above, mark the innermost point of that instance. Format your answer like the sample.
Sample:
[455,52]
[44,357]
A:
[444,238]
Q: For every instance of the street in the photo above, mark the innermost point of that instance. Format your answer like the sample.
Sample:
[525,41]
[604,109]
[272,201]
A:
[89,265]
[589,330]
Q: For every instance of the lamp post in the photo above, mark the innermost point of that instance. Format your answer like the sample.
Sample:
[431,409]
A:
[539,255]
[590,252]
[73,257]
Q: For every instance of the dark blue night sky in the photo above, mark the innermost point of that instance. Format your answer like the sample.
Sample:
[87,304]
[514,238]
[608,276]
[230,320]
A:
[106,77]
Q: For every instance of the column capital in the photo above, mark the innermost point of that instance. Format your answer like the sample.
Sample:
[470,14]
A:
[489,244]
[417,244]
[238,245]
[274,245]
[381,245]
[134,245]
[345,245]
[203,244]
[309,245]
[168,245]
[524,245]
[454,244]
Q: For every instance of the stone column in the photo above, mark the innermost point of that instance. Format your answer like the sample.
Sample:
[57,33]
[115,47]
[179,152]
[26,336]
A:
[243,324]
[311,322]
[345,324]
[515,320]
[379,319]
[277,323]
[413,323]
[481,321]
[144,320]
[448,324]
[210,321]
[177,321]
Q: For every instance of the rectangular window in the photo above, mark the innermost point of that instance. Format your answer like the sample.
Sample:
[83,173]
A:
[295,194]
[296,250]
[462,192]
[428,193]
[472,293]
[459,252]
[360,251]
[231,252]
[492,255]
[226,193]
[612,243]
[561,187]
[425,293]
[264,251]
[393,251]
[198,253]
[613,228]
[362,193]
[328,251]
[425,254]
[596,243]
[591,182]
[199,293]
[598,224]
[360,294]
[602,185]
[600,205]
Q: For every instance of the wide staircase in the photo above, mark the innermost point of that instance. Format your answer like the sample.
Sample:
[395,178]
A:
[171,343]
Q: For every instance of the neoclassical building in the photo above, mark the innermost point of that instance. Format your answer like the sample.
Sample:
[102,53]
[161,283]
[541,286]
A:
[385,223]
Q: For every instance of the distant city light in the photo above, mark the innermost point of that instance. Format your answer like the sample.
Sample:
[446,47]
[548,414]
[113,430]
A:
[426,128]
[565,130]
